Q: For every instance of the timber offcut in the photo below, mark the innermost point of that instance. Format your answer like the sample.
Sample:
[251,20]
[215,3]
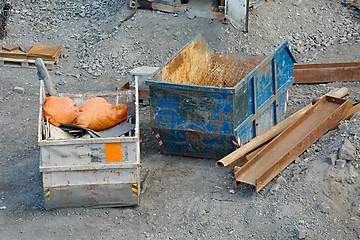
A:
[25,56]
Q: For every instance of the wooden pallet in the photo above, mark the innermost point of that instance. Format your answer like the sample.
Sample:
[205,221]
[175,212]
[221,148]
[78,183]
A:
[26,63]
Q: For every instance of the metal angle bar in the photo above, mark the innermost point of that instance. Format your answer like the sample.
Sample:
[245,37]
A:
[293,141]
[326,72]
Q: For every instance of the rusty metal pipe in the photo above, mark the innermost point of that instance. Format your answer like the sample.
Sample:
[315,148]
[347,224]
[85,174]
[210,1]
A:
[273,132]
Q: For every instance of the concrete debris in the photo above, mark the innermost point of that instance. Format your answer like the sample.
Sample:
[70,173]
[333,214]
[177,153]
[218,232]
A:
[300,233]
[340,163]
[97,73]
[19,90]
[281,180]
[347,151]
[275,188]
[353,171]
[324,207]
[5,9]
[331,159]
[297,3]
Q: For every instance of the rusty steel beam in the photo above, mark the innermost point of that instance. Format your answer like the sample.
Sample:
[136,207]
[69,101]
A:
[327,72]
[245,158]
[238,156]
[293,141]
[352,111]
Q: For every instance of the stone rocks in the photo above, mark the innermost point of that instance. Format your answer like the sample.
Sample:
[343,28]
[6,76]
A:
[324,207]
[347,151]
[300,233]
[281,180]
[97,73]
[331,159]
[19,90]
[297,3]
[343,40]
[340,163]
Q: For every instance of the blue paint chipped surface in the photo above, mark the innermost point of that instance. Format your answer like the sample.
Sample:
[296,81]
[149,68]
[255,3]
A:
[202,121]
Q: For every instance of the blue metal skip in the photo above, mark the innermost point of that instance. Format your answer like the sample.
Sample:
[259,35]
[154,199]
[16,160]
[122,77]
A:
[206,104]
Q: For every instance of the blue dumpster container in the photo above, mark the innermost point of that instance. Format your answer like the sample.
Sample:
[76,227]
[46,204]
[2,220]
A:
[206,104]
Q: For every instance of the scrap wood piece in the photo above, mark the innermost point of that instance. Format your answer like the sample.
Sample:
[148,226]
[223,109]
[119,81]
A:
[23,62]
[46,52]
[12,51]
[293,141]
[49,53]
[25,56]
[12,47]
[326,72]
[236,158]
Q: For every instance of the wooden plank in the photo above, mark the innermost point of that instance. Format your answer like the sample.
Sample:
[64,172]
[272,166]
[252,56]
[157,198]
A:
[48,53]
[327,72]
[26,63]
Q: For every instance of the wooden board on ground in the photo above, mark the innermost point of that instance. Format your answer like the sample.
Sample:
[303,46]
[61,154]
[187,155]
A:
[27,63]
[25,56]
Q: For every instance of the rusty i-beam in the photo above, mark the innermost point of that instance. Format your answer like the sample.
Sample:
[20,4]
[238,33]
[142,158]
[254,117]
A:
[293,141]
[238,157]
[326,72]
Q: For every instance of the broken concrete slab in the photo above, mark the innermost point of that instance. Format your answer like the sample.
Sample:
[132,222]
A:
[347,151]
[300,233]
[281,180]
[324,207]
[340,163]
[19,90]
[331,159]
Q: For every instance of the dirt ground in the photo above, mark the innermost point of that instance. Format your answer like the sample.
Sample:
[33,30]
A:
[182,198]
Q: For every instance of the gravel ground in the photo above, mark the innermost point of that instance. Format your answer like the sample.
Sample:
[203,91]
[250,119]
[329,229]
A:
[183,198]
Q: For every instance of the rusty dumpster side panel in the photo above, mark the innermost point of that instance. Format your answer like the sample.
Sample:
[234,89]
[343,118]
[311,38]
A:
[205,103]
